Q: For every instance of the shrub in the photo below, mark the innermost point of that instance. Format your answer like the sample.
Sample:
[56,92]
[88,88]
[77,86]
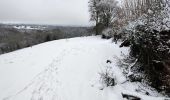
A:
[151,49]
[107,77]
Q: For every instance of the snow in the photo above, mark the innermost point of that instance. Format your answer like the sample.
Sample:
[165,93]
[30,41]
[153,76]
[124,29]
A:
[66,69]
[29,27]
[150,11]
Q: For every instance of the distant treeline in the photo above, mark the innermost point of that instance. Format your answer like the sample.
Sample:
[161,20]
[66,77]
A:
[13,39]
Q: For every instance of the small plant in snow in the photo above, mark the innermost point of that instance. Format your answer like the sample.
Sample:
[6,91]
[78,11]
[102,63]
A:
[107,77]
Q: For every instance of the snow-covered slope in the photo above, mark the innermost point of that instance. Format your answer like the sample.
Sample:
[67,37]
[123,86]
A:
[65,69]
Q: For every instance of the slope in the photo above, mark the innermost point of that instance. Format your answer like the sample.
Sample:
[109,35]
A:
[65,69]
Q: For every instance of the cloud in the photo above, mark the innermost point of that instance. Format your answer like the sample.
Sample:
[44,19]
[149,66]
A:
[59,12]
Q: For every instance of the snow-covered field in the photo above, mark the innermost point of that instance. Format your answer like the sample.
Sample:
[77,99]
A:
[29,27]
[65,69]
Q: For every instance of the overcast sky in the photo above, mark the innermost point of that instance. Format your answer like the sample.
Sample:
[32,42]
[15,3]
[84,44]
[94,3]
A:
[59,12]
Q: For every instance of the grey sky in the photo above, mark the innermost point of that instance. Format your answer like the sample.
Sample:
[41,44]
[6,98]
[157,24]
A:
[60,12]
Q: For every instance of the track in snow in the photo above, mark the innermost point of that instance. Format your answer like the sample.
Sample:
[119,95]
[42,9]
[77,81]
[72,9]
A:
[65,69]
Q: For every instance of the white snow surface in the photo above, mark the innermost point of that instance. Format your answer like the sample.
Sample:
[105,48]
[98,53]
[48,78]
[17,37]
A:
[29,27]
[66,69]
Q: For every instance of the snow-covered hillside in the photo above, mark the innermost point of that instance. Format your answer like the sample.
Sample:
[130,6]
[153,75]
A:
[65,69]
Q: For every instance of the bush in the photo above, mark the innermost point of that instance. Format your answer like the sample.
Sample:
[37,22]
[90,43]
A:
[152,50]
[107,77]
[107,33]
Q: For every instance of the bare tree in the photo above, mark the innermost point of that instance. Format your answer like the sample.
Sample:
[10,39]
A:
[102,12]
[94,12]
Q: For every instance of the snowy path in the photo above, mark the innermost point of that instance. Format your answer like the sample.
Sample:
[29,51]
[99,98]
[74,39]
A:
[65,69]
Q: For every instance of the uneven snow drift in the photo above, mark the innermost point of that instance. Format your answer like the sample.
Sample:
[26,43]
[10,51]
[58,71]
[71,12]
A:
[65,69]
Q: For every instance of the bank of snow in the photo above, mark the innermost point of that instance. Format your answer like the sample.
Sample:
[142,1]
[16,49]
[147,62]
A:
[65,69]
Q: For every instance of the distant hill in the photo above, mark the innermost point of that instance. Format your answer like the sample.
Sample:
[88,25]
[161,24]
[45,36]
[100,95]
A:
[17,36]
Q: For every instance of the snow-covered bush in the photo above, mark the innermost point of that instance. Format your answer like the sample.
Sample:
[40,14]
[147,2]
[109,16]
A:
[151,49]
[151,46]
[107,33]
[126,32]
[107,77]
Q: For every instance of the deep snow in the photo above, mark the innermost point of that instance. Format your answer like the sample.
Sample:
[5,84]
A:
[65,69]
